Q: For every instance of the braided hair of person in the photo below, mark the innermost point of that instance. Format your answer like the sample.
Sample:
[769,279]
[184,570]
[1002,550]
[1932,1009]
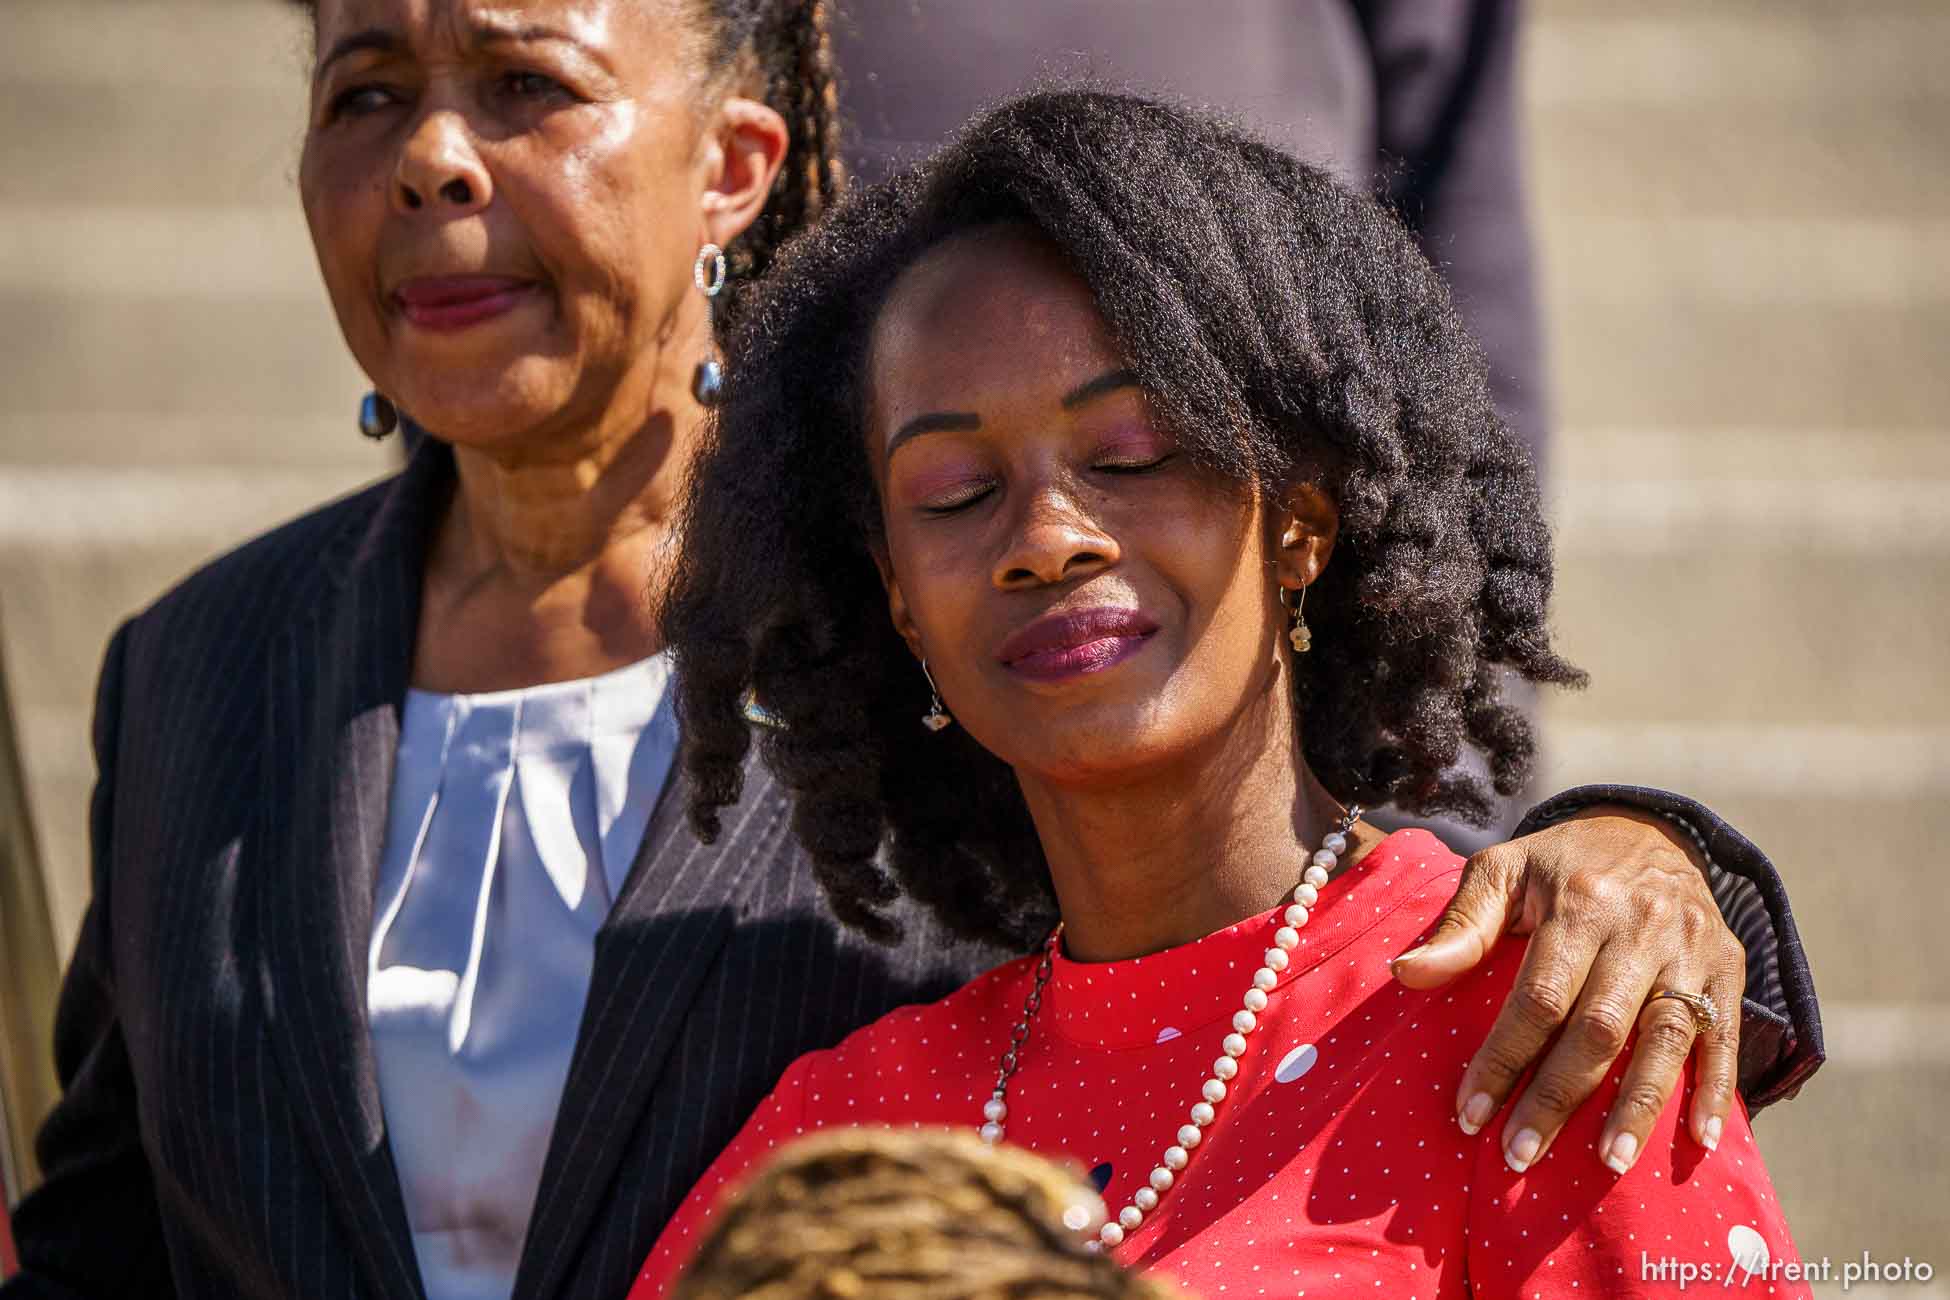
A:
[935,1214]
[785,47]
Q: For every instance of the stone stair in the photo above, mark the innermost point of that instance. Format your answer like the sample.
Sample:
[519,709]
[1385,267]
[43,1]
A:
[1744,212]
[173,378]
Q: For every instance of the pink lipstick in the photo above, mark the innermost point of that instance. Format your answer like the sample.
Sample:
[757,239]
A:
[445,303]
[1076,643]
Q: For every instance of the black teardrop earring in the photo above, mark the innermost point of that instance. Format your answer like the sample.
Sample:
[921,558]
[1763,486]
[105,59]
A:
[707,382]
[378,417]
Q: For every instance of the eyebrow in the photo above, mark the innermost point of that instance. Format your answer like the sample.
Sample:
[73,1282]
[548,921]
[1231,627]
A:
[964,421]
[933,422]
[376,39]
[486,31]
[1108,382]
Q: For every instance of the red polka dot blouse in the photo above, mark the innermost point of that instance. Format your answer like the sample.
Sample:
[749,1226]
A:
[1334,1166]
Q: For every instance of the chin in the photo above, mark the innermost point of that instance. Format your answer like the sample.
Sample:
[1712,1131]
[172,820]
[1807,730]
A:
[1112,741]
[483,406]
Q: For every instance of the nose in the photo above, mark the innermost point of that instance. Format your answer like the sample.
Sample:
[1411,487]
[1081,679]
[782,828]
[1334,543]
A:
[1055,540]
[438,166]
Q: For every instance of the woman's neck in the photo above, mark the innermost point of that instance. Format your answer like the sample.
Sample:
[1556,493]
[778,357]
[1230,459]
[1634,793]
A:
[548,563]
[1184,851]
[534,516]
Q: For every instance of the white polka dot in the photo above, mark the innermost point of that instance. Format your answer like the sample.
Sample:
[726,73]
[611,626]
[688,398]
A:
[1748,1248]
[1297,1062]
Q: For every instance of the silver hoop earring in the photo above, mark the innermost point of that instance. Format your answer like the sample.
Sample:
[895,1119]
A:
[936,717]
[712,255]
[1299,634]
[378,417]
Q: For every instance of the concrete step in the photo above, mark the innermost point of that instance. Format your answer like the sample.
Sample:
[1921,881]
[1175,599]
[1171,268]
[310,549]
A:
[1730,637]
[1723,57]
[67,584]
[1881,159]
[181,101]
[1613,453]
[134,144]
[1740,261]
[273,358]
[1728,364]
[134,442]
[154,44]
[1859,1166]
[187,254]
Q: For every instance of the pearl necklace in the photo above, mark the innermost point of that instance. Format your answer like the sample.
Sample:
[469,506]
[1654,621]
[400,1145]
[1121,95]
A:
[1177,1156]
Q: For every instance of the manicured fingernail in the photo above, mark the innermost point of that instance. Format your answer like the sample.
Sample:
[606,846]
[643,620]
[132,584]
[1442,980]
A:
[1523,1149]
[1410,955]
[1476,1113]
[1624,1150]
[1713,1133]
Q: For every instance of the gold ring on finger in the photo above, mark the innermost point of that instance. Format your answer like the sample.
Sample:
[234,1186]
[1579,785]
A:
[1705,1014]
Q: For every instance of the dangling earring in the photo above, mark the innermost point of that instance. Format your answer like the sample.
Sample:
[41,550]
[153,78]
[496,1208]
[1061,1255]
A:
[378,417]
[707,381]
[936,717]
[1299,634]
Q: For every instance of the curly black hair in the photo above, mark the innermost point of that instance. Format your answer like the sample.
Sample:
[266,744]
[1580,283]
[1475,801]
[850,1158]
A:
[790,48]
[1281,324]
[785,47]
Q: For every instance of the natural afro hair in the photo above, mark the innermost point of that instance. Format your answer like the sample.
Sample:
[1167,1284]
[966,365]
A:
[1280,324]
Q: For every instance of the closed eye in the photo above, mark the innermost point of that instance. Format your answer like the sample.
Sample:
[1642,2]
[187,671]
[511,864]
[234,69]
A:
[958,501]
[1137,467]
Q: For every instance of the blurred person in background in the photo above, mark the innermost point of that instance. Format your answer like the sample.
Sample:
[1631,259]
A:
[868,1213]
[1161,469]
[403,972]
[1416,98]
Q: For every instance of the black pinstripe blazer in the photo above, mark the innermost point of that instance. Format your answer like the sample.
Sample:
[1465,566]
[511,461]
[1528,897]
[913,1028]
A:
[221,1132]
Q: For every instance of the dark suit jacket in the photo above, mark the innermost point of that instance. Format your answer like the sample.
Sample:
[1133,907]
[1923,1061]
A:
[221,1131]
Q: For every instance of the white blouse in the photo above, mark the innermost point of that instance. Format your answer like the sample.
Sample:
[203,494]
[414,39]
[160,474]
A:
[515,817]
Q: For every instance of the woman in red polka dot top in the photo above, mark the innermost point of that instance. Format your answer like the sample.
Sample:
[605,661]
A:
[1179,479]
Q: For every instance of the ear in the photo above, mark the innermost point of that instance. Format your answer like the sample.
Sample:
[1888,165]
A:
[741,155]
[1308,523]
[896,603]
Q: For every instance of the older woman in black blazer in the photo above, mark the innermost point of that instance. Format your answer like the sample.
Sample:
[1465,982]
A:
[306,959]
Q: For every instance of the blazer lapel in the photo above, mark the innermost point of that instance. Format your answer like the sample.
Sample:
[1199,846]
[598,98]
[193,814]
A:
[677,909]
[338,682]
